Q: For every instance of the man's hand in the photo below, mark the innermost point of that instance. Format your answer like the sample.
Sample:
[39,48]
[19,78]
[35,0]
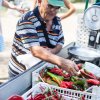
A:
[70,67]
[6,4]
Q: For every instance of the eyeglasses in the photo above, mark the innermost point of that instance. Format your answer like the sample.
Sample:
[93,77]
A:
[54,7]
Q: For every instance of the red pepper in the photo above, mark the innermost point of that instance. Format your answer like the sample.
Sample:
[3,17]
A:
[79,66]
[87,74]
[59,71]
[15,97]
[63,85]
[53,98]
[49,94]
[66,84]
[39,97]
[90,74]
[55,93]
[31,98]
[93,81]
[82,98]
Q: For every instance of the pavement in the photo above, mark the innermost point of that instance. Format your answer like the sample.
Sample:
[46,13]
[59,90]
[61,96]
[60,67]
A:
[9,21]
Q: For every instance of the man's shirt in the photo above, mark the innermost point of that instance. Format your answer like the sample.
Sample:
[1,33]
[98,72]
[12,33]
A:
[29,32]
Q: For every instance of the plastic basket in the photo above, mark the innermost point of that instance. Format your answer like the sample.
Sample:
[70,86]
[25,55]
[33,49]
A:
[72,93]
[67,94]
[39,88]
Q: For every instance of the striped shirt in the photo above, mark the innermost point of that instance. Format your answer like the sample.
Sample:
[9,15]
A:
[29,32]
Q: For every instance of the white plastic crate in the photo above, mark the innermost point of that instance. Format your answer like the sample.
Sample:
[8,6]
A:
[67,94]
[40,88]
[70,92]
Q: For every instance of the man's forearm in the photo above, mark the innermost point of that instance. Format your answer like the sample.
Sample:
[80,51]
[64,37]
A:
[46,55]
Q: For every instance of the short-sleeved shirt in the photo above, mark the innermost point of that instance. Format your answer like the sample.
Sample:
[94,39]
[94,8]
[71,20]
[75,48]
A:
[29,32]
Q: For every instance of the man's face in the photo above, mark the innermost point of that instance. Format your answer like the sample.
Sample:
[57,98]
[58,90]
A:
[49,11]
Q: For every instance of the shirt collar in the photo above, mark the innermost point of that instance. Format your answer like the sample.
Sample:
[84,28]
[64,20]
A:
[37,13]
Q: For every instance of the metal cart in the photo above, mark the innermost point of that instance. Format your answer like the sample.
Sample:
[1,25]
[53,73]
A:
[22,82]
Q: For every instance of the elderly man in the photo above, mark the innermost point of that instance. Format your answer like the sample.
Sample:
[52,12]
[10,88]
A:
[68,5]
[39,33]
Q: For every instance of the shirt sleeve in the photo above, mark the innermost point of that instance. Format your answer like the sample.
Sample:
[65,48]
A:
[26,30]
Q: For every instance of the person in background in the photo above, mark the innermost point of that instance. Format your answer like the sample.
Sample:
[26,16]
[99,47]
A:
[35,2]
[6,4]
[39,33]
[68,4]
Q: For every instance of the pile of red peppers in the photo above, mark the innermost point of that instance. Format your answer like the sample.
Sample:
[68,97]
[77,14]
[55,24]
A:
[58,77]
[50,95]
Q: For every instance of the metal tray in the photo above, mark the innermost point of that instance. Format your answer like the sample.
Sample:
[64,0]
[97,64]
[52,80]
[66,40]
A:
[86,54]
